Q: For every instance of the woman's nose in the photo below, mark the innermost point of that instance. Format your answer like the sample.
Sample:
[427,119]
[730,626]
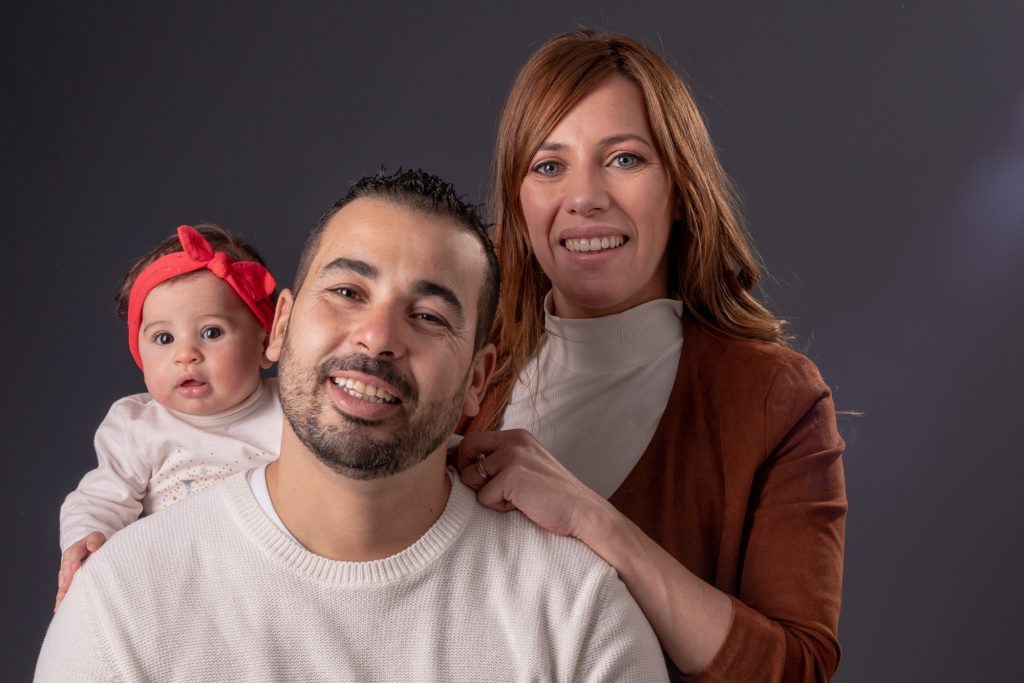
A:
[586,192]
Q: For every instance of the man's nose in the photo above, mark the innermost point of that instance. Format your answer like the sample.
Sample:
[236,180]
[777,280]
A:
[378,332]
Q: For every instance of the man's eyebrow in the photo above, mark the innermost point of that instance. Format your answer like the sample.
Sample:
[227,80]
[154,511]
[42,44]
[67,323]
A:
[355,265]
[428,288]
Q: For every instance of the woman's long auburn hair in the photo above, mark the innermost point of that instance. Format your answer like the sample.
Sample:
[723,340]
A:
[712,266]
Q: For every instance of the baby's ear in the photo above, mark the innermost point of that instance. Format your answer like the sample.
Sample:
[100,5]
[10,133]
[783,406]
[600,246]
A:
[265,362]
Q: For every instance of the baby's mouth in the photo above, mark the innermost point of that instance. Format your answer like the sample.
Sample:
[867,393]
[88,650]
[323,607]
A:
[588,244]
[192,383]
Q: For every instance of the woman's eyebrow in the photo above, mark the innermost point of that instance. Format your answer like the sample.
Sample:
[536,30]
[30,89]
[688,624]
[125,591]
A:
[603,142]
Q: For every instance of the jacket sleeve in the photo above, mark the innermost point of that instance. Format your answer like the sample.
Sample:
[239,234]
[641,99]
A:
[109,497]
[786,612]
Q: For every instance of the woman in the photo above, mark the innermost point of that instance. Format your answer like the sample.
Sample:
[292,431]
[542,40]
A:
[663,420]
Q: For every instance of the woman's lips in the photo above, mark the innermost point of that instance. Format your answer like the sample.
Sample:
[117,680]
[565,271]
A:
[589,244]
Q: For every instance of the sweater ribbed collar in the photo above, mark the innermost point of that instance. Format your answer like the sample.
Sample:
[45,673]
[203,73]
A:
[620,341]
[269,538]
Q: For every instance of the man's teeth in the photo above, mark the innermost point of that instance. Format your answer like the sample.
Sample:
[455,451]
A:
[595,243]
[363,391]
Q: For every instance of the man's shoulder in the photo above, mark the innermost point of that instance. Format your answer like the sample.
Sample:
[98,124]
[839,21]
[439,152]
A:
[534,559]
[165,541]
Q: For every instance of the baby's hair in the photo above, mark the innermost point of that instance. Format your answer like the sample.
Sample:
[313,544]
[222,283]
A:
[220,239]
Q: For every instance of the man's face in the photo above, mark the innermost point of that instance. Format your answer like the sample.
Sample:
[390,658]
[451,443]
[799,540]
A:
[376,349]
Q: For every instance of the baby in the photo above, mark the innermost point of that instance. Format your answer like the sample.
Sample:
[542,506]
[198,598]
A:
[199,307]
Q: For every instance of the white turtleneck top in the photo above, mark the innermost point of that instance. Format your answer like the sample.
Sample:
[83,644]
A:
[150,457]
[595,392]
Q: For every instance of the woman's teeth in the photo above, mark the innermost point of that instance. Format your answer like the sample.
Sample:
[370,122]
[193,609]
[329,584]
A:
[363,391]
[595,243]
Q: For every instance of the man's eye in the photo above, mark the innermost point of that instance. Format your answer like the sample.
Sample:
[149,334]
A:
[547,168]
[163,338]
[211,332]
[347,292]
[430,318]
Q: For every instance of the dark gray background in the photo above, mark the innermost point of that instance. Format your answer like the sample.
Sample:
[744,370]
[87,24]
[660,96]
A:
[879,148]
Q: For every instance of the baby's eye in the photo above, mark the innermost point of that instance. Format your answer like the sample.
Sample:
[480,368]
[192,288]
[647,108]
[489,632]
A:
[626,160]
[548,168]
[211,332]
[163,338]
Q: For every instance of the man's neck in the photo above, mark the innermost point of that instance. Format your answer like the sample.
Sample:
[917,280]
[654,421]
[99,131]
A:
[355,520]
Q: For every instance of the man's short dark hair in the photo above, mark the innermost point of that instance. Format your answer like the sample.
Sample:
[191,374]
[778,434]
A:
[418,190]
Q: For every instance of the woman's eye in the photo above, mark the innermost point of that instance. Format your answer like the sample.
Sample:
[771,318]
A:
[547,168]
[626,160]
[211,332]
[163,338]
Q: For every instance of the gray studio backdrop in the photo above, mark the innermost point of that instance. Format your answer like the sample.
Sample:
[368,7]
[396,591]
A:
[879,148]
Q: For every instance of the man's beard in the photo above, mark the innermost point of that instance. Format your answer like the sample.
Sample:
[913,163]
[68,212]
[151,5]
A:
[351,451]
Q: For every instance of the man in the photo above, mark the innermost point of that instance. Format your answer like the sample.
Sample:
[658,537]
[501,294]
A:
[357,555]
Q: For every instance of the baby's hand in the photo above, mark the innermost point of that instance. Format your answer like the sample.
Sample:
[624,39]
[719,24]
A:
[72,559]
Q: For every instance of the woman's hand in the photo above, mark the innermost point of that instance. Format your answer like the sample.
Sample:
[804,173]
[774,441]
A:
[690,616]
[510,470]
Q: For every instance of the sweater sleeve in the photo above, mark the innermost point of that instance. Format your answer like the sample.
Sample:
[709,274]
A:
[109,497]
[786,612]
[71,651]
[621,645]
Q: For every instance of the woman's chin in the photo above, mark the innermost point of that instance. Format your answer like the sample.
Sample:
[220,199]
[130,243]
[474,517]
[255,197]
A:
[592,304]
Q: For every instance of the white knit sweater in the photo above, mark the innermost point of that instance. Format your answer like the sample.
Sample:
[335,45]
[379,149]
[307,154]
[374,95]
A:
[212,590]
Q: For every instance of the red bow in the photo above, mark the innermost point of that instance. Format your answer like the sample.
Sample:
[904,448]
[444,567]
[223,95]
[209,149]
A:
[251,281]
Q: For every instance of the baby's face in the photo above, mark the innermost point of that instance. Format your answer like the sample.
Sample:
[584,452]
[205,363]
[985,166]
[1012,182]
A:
[201,346]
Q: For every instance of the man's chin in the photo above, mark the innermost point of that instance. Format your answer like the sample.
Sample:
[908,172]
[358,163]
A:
[359,421]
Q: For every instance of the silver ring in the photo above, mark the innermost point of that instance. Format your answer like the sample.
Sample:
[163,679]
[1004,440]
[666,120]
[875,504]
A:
[480,467]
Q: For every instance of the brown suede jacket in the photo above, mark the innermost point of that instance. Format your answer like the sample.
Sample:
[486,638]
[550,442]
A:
[743,484]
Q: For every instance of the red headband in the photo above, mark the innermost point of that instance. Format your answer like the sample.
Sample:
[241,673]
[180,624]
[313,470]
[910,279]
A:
[252,282]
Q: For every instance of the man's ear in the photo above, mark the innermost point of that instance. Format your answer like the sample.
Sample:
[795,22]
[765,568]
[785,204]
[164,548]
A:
[479,375]
[282,313]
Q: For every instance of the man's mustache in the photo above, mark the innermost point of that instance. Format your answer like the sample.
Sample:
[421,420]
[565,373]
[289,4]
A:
[360,362]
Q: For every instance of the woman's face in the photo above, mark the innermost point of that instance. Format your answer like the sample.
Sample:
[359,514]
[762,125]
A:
[599,205]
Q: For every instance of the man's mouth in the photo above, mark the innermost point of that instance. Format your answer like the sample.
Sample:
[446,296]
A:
[605,243]
[364,391]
